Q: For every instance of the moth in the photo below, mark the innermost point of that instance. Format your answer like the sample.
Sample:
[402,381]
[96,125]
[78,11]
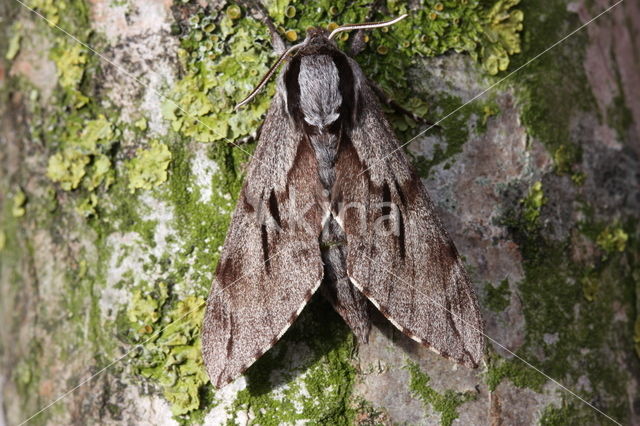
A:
[331,202]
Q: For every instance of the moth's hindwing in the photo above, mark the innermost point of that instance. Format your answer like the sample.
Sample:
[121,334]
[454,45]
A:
[270,264]
[411,273]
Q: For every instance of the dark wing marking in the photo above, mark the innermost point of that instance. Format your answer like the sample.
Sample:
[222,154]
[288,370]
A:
[399,254]
[270,264]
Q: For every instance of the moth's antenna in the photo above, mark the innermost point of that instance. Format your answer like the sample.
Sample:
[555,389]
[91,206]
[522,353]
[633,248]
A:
[347,27]
[366,25]
[268,75]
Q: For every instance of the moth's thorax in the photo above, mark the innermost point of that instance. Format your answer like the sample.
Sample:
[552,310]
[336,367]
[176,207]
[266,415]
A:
[320,97]
[319,84]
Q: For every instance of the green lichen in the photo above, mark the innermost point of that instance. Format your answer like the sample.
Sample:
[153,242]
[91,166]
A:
[100,172]
[566,157]
[71,59]
[497,298]
[67,168]
[613,238]
[224,52]
[501,37]
[590,286]
[171,355]
[70,62]
[532,205]
[14,44]
[568,414]
[446,403]
[454,131]
[3,239]
[82,156]
[19,201]
[516,371]
[87,206]
[50,9]
[317,387]
[145,308]
[545,84]
[230,56]
[553,303]
[95,133]
[149,168]
[141,124]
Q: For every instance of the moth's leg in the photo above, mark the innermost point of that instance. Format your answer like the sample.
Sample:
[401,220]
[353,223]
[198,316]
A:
[259,13]
[252,137]
[346,299]
[357,43]
[386,99]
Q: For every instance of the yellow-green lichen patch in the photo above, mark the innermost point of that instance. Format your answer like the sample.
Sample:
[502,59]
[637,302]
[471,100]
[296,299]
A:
[565,157]
[149,168]
[144,308]
[3,239]
[87,206]
[226,54]
[172,356]
[446,403]
[141,124]
[99,172]
[51,9]
[19,201]
[613,238]
[222,66]
[95,132]
[590,286]
[70,61]
[67,168]
[532,204]
[14,43]
[82,147]
[501,35]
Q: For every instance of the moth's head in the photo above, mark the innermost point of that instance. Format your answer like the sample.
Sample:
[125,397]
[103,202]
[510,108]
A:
[316,33]
[316,37]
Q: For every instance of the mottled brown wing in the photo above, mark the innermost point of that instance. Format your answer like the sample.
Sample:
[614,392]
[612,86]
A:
[270,264]
[406,264]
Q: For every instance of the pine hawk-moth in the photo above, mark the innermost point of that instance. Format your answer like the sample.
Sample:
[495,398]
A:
[331,202]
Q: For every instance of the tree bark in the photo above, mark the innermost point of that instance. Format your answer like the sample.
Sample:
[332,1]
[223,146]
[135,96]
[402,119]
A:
[114,204]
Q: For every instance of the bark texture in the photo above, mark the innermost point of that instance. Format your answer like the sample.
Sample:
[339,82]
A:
[114,203]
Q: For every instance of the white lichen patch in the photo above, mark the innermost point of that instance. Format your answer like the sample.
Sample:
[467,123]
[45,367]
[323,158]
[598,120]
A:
[523,406]
[202,170]
[139,66]
[225,398]
[144,409]
[163,214]
[132,259]
[33,63]
[118,20]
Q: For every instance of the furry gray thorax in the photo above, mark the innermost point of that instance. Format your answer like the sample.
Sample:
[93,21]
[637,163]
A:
[320,94]
[320,99]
